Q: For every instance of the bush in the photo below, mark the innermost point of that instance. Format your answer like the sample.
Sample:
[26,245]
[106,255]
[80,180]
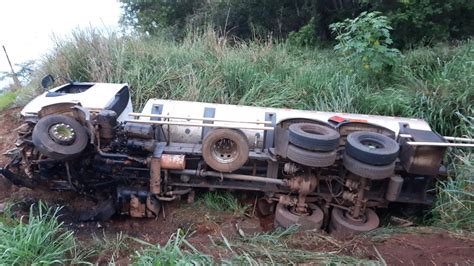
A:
[305,36]
[365,41]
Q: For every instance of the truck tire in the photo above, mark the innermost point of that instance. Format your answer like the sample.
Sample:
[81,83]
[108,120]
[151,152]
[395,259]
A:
[313,137]
[311,158]
[285,218]
[341,224]
[372,148]
[59,137]
[374,172]
[225,150]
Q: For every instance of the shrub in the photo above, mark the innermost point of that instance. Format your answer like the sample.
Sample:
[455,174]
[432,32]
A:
[365,41]
[305,36]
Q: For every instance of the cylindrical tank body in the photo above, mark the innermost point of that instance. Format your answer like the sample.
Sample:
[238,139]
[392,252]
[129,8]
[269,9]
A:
[243,114]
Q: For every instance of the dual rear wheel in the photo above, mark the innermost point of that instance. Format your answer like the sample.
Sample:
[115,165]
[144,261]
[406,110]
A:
[340,223]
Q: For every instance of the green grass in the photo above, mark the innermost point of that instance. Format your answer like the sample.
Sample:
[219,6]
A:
[455,204]
[260,249]
[38,238]
[274,248]
[177,251]
[7,99]
[18,97]
[223,201]
[110,247]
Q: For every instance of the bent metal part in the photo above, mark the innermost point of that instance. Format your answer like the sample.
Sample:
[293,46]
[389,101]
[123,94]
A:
[321,170]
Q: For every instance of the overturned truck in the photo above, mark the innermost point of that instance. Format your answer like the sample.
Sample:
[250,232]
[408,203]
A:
[316,169]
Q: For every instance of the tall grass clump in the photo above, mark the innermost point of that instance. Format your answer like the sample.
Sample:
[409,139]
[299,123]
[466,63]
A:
[223,201]
[455,203]
[38,240]
[431,83]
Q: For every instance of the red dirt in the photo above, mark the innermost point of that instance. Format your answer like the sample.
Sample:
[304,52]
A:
[9,120]
[425,247]
[435,247]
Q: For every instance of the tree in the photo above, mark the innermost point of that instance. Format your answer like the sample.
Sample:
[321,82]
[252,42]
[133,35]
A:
[413,21]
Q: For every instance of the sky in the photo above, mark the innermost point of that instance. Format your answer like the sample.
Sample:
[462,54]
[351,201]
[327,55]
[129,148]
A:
[27,27]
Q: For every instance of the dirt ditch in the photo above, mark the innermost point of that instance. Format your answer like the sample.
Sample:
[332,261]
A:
[420,246]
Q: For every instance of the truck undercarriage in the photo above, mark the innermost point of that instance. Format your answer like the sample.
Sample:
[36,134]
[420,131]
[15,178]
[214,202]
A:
[318,170]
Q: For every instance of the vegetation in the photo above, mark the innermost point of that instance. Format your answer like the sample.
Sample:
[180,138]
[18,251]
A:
[414,21]
[434,84]
[177,251]
[259,249]
[223,201]
[455,204]
[38,238]
[19,97]
[7,99]
[275,248]
[365,41]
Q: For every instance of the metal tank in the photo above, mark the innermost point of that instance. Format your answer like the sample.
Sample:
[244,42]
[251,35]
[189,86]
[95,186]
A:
[183,121]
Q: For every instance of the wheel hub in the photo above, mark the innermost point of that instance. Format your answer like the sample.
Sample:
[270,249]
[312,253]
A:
[355,220]
[372,145]
[296,210]
[225,150]
[62,133]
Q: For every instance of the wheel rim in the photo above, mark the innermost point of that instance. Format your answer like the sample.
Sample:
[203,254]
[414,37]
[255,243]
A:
[62,133]
[225,150]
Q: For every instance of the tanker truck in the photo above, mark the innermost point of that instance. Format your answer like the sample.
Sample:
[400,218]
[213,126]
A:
[318,170]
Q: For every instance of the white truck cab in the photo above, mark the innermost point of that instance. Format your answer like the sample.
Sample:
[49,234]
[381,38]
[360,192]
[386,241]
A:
[92,96]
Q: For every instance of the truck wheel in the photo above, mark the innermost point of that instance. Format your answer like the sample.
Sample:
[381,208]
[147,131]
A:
[313,137]
[311,158]
[342,224]
[372,148]
[59,137]
[374,172]
[225,150]
[285,218]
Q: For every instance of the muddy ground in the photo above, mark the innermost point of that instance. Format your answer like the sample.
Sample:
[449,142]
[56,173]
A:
[414,246]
